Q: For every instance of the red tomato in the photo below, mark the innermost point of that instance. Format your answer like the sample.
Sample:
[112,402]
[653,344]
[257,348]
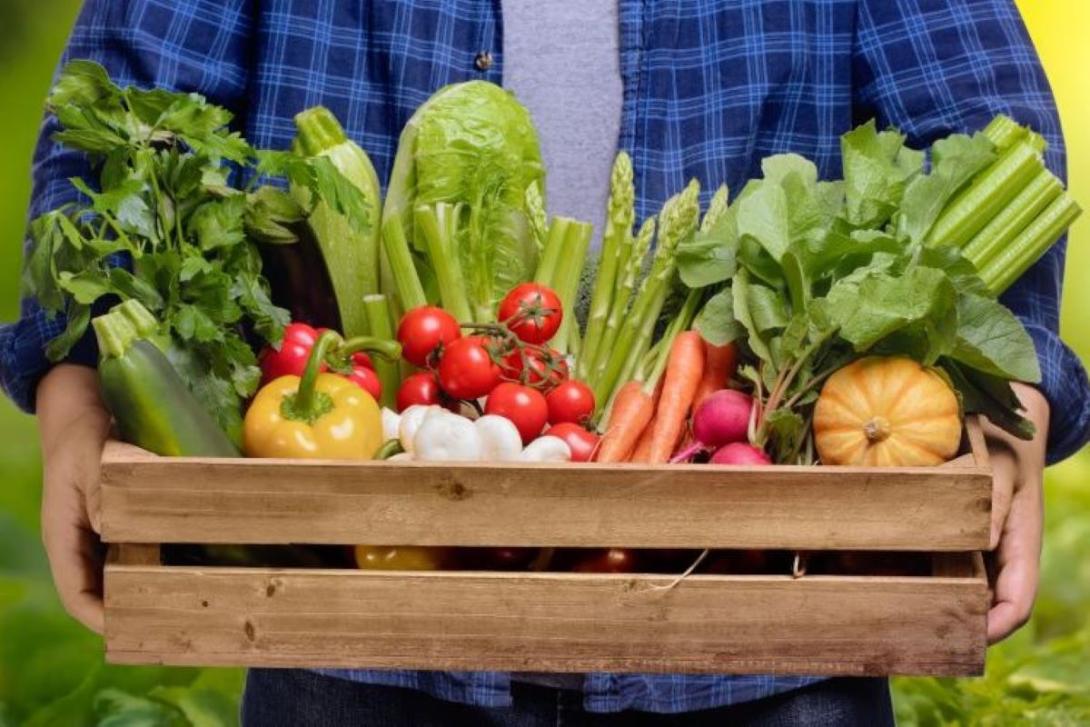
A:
[466,369]
[360,358]
[367,380]
[422,330]
[581,442]
[607,560]
[524,406]
[421,388]
[532,312]
[292,354]
[570,401]
[541,366]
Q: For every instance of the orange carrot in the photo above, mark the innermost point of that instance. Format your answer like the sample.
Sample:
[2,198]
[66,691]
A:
[632,410]
[643,444]
[684,371]
[719,364]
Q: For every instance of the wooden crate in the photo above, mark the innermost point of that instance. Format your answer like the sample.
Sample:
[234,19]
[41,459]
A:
[813,624]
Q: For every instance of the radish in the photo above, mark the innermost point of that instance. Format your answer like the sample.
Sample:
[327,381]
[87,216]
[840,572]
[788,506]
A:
[722,418]
[740,453]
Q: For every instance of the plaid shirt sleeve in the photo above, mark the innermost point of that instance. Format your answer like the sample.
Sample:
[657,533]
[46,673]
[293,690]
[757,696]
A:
[198,46]
[934,68]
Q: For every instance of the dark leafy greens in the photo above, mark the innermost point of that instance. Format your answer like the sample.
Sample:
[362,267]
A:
[165,225]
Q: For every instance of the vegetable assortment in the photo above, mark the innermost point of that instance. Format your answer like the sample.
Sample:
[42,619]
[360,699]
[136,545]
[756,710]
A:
[799,321]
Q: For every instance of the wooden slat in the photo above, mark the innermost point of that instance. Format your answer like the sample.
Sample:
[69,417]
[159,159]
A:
[545,622]
[152,499]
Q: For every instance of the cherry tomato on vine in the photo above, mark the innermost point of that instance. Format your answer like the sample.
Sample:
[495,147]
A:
[419,388]
[360,358]
[532,312]
[524,406]
[581,442]
[466,369]
[542,367]
[366,379]
[607,560]
[422,330]
[570,401]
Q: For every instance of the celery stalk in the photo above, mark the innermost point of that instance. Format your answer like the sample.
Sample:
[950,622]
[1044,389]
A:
[989,192]
[438,224]
[1005,226]
[379,321]
[620,213]
[554,245]
[626,286]
[409,290]
[1003,131]
[1031,244]
[566,279]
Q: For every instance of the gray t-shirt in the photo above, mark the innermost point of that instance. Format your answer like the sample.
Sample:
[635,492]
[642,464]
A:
[562,60]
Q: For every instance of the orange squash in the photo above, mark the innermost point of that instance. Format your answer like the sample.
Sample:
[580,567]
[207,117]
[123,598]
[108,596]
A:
[886,412]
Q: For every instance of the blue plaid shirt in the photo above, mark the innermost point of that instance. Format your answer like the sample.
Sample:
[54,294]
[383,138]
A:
[709,89]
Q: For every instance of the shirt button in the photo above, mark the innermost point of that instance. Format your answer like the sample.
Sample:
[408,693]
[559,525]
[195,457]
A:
[483,61]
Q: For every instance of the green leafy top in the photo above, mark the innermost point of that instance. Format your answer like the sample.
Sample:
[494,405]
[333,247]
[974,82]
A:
[164,203]
[473,145]
[817,273]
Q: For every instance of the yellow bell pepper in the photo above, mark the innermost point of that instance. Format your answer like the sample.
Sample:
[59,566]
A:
[318,415]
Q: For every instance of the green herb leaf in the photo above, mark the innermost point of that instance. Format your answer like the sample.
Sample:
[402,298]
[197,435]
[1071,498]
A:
[990,339]
[877,166]
[716,323]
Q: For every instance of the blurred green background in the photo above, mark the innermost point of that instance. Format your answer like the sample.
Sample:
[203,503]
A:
[51,670]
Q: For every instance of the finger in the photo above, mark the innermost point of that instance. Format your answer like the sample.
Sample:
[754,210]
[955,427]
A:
[1004,471]
[1018,564]
[73,558]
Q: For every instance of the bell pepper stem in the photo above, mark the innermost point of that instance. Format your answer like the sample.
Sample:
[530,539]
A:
[305,403]
[389,350]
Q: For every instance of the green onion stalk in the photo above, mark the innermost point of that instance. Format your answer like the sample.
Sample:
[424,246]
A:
[619,217]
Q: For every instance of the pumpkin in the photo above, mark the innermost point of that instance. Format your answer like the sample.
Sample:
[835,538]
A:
[886,412]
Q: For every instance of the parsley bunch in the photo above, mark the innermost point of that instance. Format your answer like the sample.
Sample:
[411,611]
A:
[167,227]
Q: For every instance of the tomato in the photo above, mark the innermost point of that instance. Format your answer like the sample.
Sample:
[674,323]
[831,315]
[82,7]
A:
[581,442]
[424,329]
[290,358]
[400,557]
[466,369]
[607,560]
[536,366]
[366,379]
[524,406]
[360,358]
[571,401]
[532,312]
[503,558]
[419,388]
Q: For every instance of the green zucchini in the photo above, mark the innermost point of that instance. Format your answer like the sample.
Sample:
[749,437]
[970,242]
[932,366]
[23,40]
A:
[150,403]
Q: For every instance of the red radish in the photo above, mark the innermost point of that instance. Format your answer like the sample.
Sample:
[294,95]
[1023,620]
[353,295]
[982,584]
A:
[722,418]
[740,453]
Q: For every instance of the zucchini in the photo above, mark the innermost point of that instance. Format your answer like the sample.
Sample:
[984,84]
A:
[150,403]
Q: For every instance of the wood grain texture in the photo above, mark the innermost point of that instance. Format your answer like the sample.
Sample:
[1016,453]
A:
[152,499]
[547,622]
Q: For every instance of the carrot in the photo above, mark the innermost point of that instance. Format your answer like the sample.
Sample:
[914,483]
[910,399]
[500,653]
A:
[643,444]
[719,364]
[684,370]
[632,410]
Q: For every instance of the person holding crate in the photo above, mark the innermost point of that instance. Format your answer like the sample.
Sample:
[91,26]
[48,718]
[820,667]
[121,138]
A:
[702,89]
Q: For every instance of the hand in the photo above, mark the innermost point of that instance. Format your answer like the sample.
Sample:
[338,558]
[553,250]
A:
[1017,516]
[74,425]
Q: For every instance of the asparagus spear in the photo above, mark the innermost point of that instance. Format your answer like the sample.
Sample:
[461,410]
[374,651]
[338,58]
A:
[620,213]
[717,207]
[626,285]
[566,279]
[677,220]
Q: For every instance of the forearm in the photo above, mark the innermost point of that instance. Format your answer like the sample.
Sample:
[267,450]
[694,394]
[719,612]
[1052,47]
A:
[67,399]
